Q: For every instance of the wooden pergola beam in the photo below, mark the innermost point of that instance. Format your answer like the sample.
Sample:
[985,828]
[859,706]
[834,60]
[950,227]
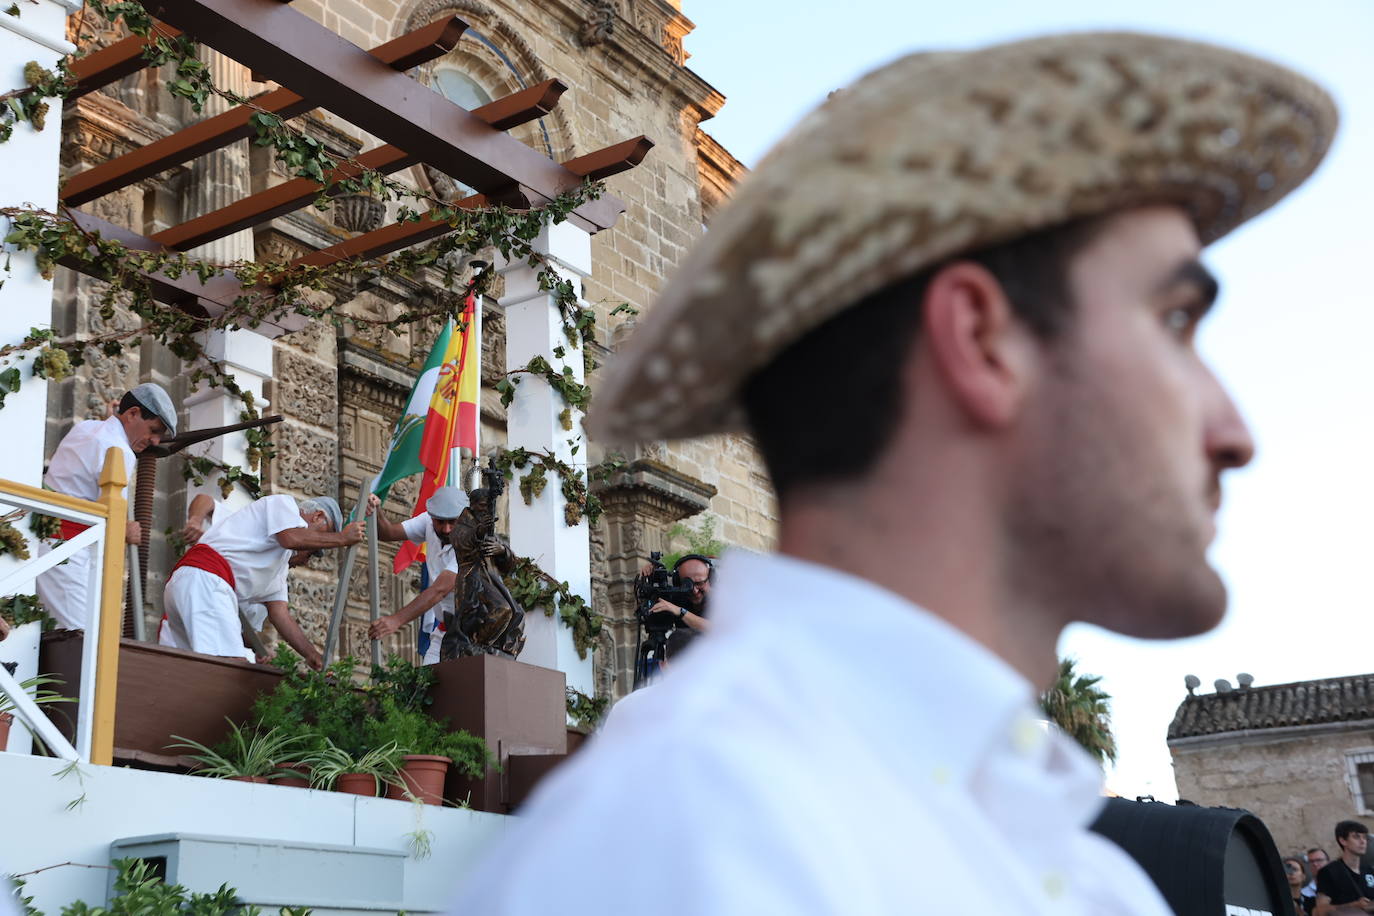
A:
[409,50]
[124,57]
[303,55]
[603,163]
[206,300]
[509,111]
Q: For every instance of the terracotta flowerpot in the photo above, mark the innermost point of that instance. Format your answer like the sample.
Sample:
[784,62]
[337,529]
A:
[357,784]
[301,781]
[257,779]
[6,719]
[423,775]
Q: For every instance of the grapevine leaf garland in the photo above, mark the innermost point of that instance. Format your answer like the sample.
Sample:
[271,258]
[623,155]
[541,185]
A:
[271,290]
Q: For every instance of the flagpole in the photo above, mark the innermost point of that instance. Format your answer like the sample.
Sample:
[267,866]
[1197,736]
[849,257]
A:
[477,421]
[346,573]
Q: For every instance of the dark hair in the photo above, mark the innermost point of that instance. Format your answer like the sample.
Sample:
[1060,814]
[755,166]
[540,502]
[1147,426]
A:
[1302,867]
[130,401]
[1345,828]
[826,408]
[1317,849]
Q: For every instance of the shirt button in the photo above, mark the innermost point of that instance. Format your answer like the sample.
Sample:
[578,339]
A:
[1027,735]
[1054,885]
[940,775]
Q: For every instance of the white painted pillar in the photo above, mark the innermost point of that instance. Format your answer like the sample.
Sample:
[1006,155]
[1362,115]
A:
[247,355]
[28,178]
[538,531]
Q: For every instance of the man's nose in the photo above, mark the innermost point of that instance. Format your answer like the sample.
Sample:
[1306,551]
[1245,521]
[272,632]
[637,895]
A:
[1228,440]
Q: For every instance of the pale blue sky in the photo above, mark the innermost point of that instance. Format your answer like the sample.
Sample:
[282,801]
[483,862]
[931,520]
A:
[1290,338]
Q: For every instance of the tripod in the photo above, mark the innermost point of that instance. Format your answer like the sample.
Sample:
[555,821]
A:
[649,652]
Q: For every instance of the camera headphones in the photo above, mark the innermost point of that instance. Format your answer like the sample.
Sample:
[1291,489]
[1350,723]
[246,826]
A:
[710,565]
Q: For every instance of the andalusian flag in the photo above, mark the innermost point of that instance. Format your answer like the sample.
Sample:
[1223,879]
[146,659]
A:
[440,416]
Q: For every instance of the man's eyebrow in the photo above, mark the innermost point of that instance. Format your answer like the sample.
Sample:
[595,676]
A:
[1193,273]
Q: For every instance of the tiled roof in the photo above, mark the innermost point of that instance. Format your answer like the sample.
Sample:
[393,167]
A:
[1337,699]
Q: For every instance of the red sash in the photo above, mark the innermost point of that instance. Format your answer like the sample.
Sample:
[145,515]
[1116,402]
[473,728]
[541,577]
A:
[70,530]
[208,559]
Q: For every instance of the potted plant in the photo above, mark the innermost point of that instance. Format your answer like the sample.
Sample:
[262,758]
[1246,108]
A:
[382,724]
[37,689]
[246,754]
[332,767]
[399,693]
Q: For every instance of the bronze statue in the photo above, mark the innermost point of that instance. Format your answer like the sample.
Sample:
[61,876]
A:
[485,617]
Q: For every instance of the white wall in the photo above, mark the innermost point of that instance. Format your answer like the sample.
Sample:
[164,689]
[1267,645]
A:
[39,830]
[28,178]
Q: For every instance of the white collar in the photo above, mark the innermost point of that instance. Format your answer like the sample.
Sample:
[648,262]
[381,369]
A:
[112,424]
[918,689]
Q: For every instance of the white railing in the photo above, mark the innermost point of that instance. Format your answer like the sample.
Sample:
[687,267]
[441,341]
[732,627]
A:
[104,600]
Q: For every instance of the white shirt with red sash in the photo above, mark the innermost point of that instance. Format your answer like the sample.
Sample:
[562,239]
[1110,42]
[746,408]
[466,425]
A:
[238,561]
[75,470]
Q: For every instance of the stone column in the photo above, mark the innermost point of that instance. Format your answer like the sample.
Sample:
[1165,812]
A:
[218,180]
[28,177]
[222,177]
[538,531]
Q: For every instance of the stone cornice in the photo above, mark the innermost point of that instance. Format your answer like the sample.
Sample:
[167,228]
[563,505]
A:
[376,369]
[650,55]
[1257,736]
[646,484]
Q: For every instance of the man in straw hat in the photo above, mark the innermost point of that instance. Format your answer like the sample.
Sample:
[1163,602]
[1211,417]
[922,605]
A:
[143,417]
[956,309]
[242,561]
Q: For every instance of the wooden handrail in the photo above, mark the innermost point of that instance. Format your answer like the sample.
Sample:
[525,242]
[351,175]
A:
[74,503]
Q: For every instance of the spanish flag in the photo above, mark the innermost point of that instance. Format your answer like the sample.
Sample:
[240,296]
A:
[451,419]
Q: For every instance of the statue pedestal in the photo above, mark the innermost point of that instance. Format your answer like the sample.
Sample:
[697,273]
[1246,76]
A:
[518,709]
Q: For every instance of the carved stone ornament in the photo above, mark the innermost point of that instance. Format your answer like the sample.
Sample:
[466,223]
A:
[358,212]
[598,24]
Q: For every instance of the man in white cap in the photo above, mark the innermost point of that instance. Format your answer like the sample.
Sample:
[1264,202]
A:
[144,416]
[242,561]
[433,528]
[956,309]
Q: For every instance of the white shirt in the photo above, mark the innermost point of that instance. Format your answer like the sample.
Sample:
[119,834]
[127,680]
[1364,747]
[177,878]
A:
[826,749]
[76,465]
[247,539]
[439,556]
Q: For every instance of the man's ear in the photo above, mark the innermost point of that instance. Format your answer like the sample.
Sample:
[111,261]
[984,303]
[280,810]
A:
[980,350]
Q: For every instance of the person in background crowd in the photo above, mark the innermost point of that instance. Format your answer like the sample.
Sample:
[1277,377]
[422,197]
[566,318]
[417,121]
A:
[1346,881]
[1317,859]
[1296,872]
[143,417]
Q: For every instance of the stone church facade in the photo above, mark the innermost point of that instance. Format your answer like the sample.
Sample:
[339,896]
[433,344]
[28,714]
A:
[342,389]
[1299,756]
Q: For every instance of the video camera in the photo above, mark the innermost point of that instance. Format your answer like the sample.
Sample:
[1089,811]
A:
[661,584]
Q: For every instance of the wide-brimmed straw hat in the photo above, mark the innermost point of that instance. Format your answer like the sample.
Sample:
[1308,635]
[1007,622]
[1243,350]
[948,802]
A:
[939,154]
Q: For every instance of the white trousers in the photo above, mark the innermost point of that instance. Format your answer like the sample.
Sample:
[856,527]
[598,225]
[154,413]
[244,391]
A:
[202,615]
[63,589]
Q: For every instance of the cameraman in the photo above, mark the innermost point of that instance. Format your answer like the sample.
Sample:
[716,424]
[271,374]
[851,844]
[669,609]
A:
[698,570]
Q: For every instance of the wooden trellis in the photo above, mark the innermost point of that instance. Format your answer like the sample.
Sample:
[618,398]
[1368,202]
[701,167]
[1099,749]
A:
[316,68]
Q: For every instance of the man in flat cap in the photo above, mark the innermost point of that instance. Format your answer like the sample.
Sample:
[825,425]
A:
[242,561]
[143,417]
[979,273]
[433,528]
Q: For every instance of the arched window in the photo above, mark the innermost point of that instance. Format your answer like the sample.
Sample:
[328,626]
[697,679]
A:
[457,86]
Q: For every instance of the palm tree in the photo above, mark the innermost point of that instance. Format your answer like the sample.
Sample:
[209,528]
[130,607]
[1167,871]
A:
[1082,710]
